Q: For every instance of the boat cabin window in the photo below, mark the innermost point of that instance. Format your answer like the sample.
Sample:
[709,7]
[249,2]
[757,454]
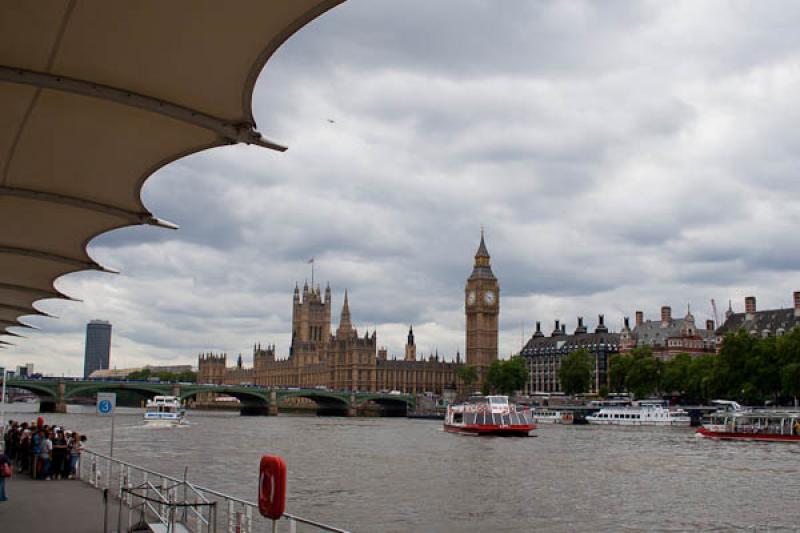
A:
[498,401]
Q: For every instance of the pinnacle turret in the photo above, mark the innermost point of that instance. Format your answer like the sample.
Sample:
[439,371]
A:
[345,326]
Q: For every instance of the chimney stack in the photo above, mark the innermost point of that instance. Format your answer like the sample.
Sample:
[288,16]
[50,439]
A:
[666,316]
[797,304]
[627,324]
[556,330]
[710,325]
[750,308]
[639,318]
[538,330]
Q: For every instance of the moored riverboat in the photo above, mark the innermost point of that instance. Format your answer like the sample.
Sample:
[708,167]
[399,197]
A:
[644,414]
[164,411]
[488,415]
[736,423]
[544,415]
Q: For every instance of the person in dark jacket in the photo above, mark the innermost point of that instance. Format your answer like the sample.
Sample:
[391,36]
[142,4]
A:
[5,465]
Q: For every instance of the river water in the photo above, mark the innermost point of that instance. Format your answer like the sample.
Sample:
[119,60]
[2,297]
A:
[394,474]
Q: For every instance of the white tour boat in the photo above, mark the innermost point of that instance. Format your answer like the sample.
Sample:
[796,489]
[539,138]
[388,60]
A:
[165,410]
[644,414]
[488,415]
[545,415]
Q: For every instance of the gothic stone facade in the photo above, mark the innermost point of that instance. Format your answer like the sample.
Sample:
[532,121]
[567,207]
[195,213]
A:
[482,309]
[346,360]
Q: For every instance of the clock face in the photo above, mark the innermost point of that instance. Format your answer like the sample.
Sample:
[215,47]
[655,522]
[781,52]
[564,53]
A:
[471,297]
[488,297]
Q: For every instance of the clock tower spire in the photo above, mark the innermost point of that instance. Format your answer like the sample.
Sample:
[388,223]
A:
[482,308]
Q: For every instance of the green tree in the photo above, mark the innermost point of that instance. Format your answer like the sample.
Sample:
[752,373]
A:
[505,377]
[644,372]
[467,374]
[734,365]
[618,367]
[675,374]
[790,380]
[576,372]
[700,378]
[140,374]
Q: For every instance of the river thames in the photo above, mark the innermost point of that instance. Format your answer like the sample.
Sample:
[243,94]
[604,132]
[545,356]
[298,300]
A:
[394,474]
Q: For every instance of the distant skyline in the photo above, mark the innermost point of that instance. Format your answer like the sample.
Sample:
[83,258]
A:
[621,156]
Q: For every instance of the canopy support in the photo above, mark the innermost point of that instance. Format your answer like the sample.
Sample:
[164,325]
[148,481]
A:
[16,324]
[25,310]
[40,293]
[233,133]
[128,216]
[91,265]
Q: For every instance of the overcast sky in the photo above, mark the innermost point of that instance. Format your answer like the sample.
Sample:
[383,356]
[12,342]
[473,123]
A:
[621,155]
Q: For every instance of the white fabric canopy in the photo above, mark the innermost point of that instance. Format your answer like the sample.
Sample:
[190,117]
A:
[95,96]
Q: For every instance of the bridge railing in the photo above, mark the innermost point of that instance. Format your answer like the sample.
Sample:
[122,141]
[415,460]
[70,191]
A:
[167,499]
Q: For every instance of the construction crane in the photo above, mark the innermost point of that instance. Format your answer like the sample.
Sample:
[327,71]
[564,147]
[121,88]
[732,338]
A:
[716,315]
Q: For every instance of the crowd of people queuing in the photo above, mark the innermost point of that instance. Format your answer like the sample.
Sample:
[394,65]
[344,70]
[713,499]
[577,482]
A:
[41,451]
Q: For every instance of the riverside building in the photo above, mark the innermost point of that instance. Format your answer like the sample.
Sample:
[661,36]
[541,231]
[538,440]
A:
[545,353]
[767,323]
[669,336]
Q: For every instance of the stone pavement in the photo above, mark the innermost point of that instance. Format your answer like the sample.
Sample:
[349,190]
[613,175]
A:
[61,506]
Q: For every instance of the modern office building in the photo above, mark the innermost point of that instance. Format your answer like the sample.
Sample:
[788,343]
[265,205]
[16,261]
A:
[98,346]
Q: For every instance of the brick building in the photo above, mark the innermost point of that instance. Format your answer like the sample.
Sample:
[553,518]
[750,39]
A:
[669,336]
[767,323]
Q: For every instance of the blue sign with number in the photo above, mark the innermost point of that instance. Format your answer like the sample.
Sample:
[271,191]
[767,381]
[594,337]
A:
[106,402]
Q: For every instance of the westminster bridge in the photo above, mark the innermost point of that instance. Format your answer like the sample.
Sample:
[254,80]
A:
[55,393]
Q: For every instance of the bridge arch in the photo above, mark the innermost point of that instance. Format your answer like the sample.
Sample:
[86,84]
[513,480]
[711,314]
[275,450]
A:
[392,405]
[45,390]
[85,389]
[328,403]
[252,401]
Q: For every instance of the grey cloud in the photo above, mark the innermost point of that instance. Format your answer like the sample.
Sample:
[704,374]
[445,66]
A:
[621,157]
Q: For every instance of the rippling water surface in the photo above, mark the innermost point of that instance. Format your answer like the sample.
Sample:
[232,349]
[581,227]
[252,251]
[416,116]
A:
[391,474]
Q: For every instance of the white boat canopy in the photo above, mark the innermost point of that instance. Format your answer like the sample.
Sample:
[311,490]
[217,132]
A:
[95,96]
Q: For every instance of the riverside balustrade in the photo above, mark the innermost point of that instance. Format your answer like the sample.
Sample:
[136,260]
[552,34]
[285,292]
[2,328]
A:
[176,505]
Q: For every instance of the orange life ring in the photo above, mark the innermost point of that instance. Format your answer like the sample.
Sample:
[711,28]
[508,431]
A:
[272,487]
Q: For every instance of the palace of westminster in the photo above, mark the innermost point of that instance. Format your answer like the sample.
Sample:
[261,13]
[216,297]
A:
[344,360]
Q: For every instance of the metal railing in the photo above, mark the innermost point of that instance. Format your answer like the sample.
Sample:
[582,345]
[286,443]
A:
[150,495]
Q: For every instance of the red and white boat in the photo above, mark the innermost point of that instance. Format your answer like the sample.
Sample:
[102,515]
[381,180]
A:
[488,415]
[736,423]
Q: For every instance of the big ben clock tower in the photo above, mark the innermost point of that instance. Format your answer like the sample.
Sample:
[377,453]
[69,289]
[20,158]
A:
[482,307]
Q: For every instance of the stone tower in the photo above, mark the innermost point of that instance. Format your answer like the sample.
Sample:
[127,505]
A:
[482,307]
[411,348]
[311,316]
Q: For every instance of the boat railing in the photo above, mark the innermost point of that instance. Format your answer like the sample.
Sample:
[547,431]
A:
[167,500]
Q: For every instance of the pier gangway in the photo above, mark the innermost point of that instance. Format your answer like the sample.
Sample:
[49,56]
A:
[164,503]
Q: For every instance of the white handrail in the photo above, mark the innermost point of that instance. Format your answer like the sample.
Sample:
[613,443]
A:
[242,515]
